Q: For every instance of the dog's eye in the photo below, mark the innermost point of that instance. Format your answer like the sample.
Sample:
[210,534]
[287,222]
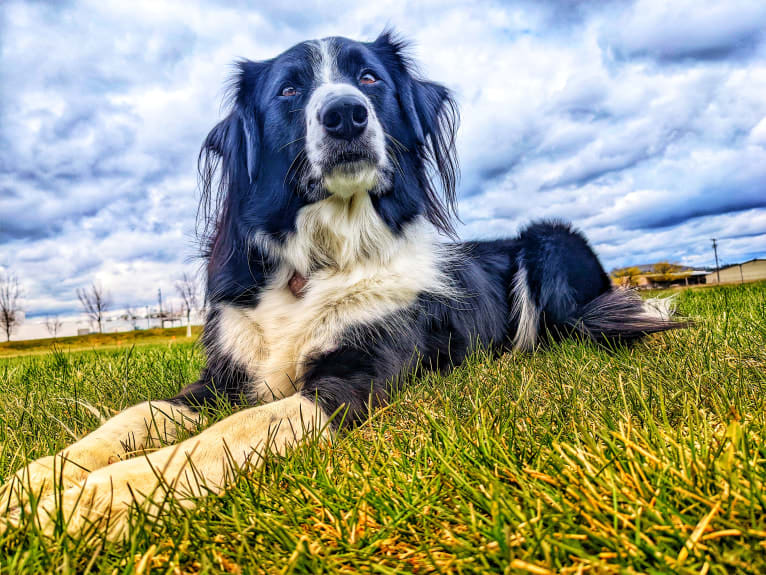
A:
[368,78]
[289,91]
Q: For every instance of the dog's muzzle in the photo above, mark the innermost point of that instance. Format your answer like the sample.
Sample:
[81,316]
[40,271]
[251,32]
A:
[345,141]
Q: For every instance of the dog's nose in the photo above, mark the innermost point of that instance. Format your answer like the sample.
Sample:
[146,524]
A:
[344,117]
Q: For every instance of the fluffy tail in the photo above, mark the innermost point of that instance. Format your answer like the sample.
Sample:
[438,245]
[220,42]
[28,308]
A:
[560,286]
[622,315]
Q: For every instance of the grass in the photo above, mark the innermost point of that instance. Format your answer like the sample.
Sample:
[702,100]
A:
[576,459]
[99,341]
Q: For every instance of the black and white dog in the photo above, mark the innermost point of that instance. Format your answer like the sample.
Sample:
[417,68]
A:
[326,190]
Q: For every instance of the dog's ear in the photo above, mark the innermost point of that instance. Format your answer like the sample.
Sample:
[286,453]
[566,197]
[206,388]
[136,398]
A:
[245,90]
[221,172]
[232,148]
[432,113]
[234,144]
[228,161]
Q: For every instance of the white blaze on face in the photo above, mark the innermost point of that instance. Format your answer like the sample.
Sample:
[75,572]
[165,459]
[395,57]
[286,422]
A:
[325,55]
[330,84]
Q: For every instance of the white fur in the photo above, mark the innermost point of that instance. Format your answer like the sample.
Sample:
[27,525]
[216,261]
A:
[343,184]
[367,274]
[324,61]
[525,311]
[663,308]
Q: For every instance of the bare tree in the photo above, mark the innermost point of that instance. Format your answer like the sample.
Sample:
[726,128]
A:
[52,324]
[187,288]
[95,302]
[11,315]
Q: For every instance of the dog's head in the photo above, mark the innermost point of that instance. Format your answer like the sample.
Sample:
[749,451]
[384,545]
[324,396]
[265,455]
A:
[330,117]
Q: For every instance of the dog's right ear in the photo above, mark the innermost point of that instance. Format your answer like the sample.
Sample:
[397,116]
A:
[228,161]
[245,94]
[234,144]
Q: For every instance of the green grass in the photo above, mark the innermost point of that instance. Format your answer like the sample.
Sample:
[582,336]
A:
[576,459]
[91,341]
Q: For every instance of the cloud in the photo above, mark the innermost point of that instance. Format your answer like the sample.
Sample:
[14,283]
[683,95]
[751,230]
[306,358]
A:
[644,123]
[688,30]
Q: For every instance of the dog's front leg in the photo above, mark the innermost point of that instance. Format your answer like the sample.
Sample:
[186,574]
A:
[203,464]
[345,384]
[139,427]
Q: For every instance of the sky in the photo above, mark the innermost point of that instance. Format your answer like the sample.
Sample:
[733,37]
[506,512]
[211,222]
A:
[643,123]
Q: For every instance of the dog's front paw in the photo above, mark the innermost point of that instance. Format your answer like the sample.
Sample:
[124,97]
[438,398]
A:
[103,502]
[100,502]
[38,480]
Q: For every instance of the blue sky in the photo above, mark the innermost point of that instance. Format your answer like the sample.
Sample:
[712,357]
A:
[643,123]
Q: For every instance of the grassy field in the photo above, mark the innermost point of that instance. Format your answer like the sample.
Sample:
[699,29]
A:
[576,459]
[100,341]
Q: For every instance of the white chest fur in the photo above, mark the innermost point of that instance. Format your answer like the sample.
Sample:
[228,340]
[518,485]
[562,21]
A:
[365,273]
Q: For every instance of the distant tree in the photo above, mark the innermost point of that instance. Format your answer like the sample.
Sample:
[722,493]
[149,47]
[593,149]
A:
[188,289]
[663,272]
[627,277]
[53,324]
[11,315]
[95,303]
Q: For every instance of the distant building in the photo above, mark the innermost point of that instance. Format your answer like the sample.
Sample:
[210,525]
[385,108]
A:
[693,278]
[647,277]
[749,271]
[685,277]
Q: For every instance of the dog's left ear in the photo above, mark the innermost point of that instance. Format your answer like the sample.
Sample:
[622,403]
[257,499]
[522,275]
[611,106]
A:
[433,115]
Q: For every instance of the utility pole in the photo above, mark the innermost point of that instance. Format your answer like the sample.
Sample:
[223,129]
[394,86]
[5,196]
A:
[147,317]
[717,269]
[162,317]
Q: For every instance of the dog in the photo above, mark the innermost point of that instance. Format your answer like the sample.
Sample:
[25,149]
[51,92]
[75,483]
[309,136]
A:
[333,274]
